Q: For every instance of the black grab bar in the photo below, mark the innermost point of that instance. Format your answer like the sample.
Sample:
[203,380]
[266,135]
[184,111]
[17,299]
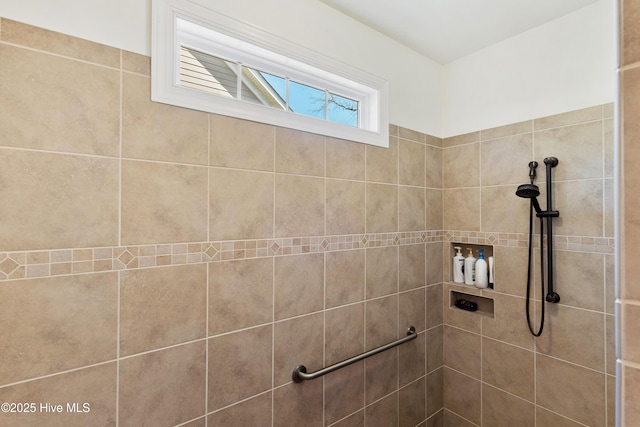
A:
[300,373]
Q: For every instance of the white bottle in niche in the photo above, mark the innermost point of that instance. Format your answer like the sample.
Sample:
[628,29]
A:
[458,266]
[469,268]
[491,272]
[482,272]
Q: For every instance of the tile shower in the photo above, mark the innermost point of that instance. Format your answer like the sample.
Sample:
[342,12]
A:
[495,373]
[172,267]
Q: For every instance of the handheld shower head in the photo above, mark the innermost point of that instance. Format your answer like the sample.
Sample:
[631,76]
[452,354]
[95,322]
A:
[530,191]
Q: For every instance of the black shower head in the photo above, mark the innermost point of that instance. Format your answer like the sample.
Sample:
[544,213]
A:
[530,191]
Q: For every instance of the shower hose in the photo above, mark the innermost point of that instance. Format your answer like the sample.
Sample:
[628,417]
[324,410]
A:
[535,334]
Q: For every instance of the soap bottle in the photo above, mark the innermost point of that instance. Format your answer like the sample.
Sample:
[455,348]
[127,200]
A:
[469,268]
[482,272]
[458,266]
[491,272]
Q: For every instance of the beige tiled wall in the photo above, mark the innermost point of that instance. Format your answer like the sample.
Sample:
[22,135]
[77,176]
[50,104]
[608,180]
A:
[495,372]
[628,306]
[171,267]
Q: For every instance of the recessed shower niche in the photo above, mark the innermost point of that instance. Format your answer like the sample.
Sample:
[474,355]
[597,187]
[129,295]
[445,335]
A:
[478,304]
[468,297]
[465,247]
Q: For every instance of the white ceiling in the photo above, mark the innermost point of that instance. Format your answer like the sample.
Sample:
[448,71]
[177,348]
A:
[445,30]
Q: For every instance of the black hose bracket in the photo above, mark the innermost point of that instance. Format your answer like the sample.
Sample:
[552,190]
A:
[553,297]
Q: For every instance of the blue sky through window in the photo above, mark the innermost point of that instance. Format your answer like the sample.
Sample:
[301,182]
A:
[277,83]
[310,101]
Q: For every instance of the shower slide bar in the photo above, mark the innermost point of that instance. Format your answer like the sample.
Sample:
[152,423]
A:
[300,373]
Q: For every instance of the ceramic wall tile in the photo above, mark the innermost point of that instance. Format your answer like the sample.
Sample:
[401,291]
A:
[56,324]
[252,351]
[42,192]
[249,302]
[240,204]
[76,103]
[163,203]
[241,144]
[161,307]
[299,152]
[177,379]
[156,131]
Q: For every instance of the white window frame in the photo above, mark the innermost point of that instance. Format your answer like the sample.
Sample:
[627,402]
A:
[178,22]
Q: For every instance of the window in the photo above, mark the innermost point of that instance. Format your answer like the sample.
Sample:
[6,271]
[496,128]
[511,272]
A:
[207,61]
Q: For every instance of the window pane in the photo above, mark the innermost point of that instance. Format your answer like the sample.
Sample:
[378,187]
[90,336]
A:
[307,100]
[198,64]
[343,110]
[208,73]
[263,88]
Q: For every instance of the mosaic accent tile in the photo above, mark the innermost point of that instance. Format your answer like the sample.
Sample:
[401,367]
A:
[20,265]
[521,240]
[8,265]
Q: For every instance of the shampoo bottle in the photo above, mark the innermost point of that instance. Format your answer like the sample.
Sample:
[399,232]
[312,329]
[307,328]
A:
[469,268]
[491,272]
[458,266]
[482,272]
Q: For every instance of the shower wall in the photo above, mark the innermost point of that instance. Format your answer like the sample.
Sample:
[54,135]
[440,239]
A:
[171,267]
[628,308]
[165,266]
[495,373]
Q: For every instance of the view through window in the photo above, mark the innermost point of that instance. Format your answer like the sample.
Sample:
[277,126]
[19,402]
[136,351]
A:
[211,62]
[231,79]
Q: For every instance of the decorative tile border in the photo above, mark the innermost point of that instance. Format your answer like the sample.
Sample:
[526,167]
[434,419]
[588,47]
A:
[604,245]
[29,264]
[482,238]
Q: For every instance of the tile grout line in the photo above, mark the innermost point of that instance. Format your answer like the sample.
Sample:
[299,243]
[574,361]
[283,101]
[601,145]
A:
[119,274]
[274,144]
[118,352]
[66,57]
[206,354]
[397,290]
[324,286]
[55,374]
[121,143]
[206,344]
[273,340]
